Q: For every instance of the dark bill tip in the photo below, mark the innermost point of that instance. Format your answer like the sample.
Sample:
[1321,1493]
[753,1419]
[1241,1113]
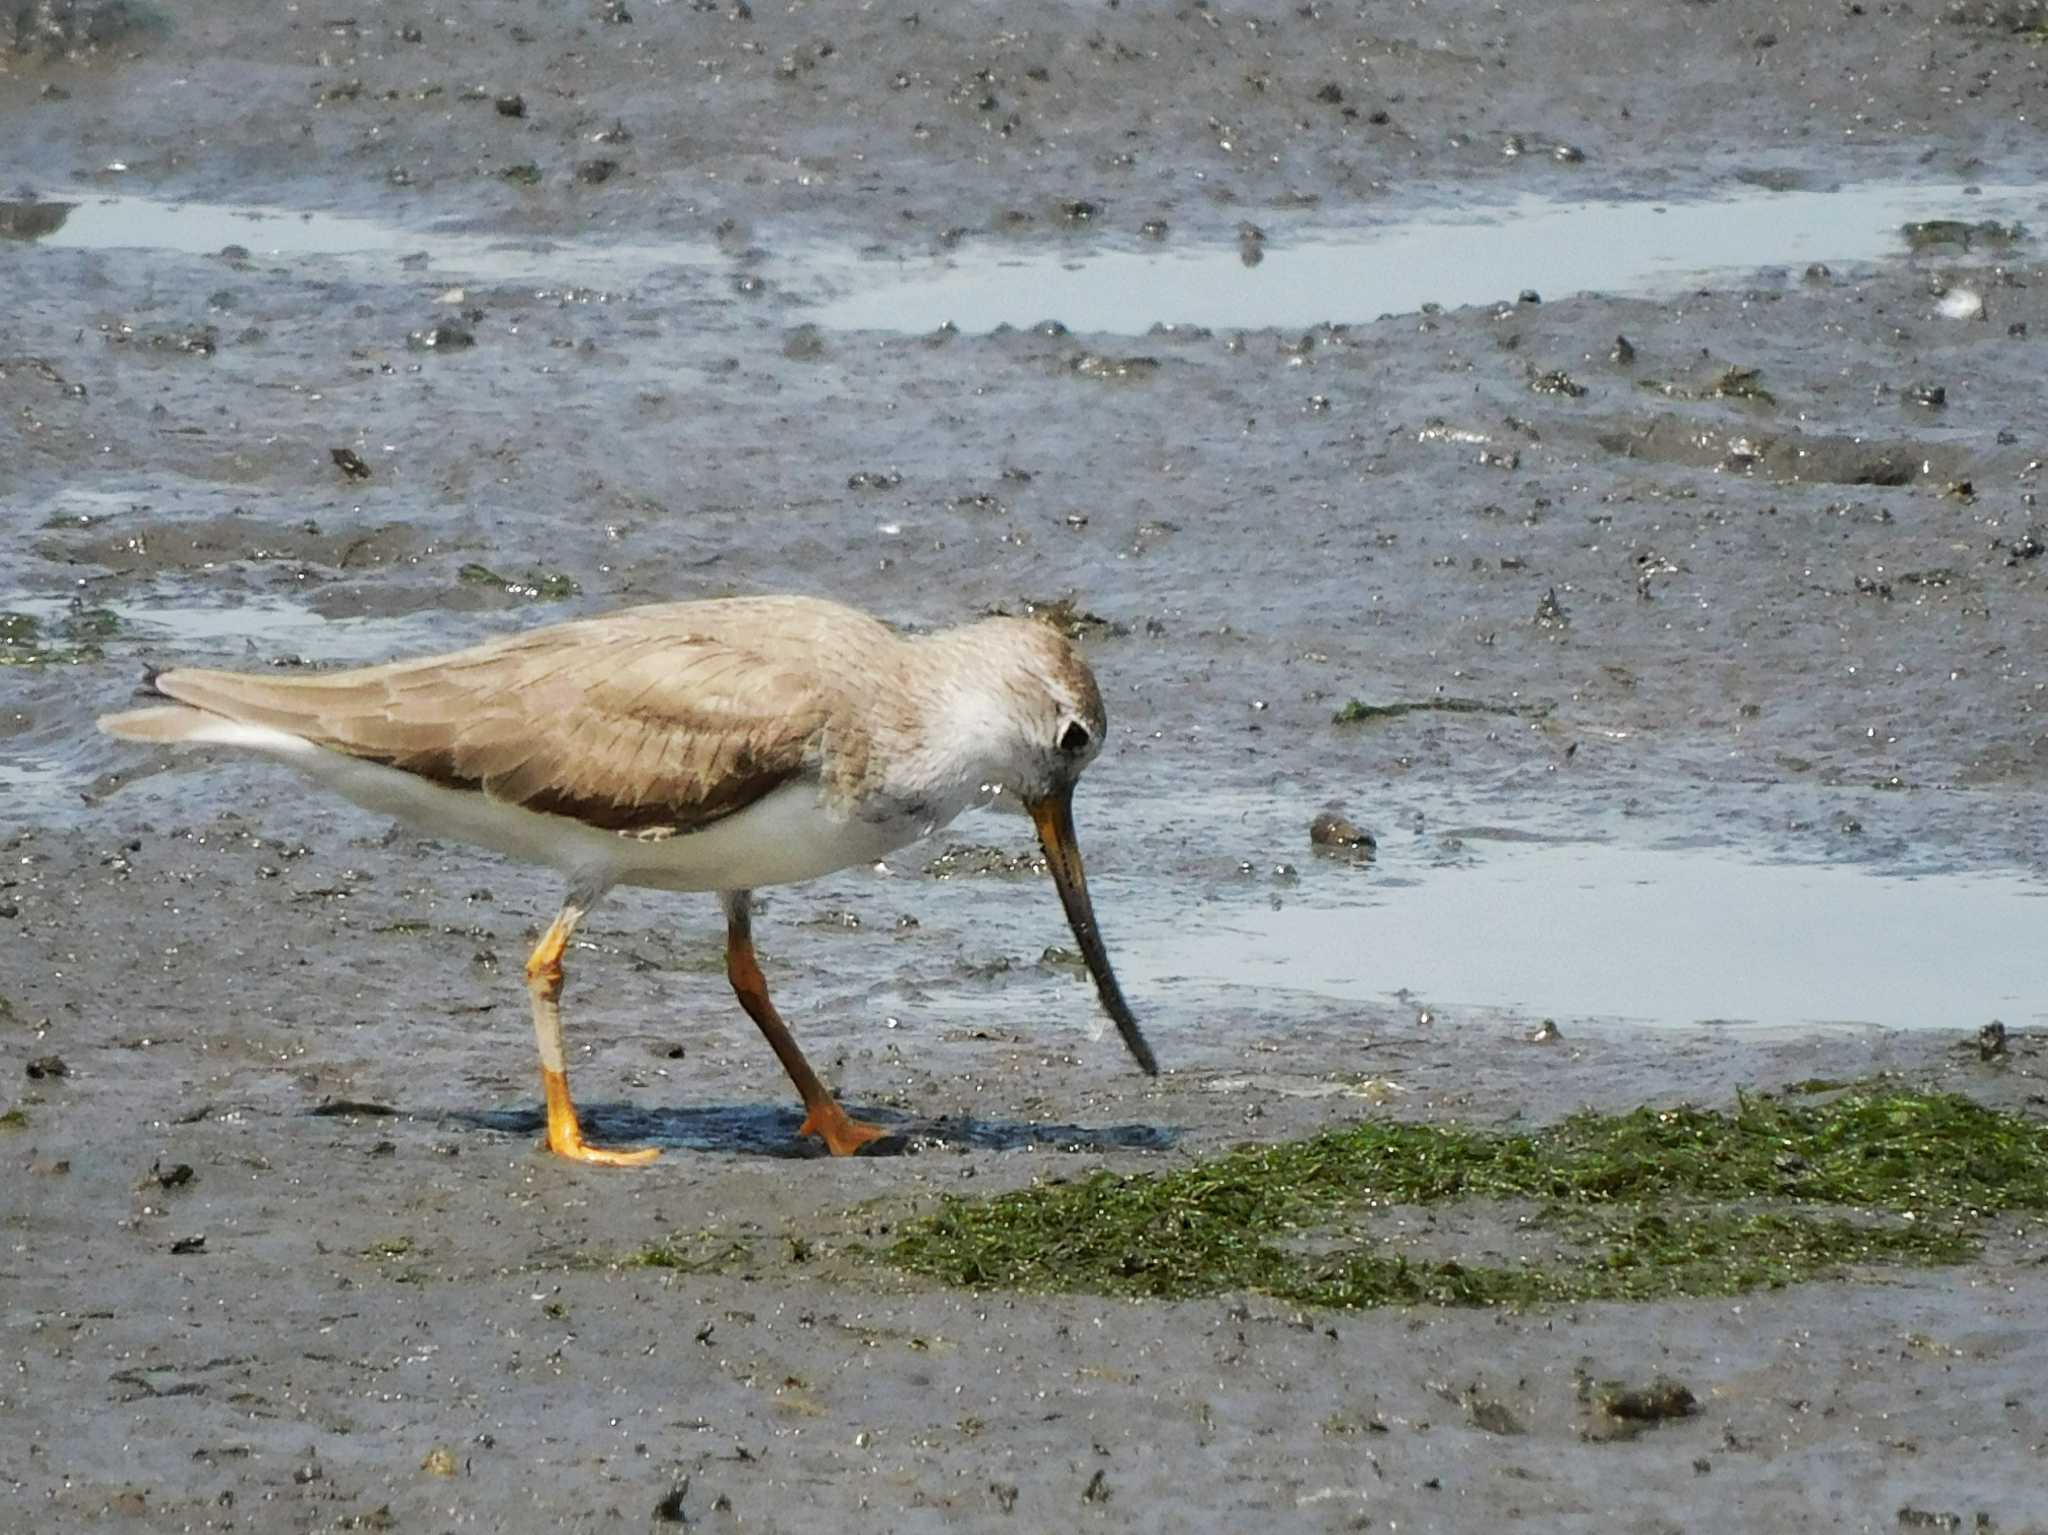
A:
[1054,816]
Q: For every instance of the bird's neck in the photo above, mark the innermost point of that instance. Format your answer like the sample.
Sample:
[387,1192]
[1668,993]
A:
[962,719]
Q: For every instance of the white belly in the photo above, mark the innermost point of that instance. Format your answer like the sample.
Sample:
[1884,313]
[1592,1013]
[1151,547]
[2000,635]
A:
[787,835]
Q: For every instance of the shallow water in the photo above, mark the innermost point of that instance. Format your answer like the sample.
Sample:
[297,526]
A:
[1639,934]
[125,222]
[1454,253]
[1462,254]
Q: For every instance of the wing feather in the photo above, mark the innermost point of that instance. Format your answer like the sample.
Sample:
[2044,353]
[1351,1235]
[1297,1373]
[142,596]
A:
[632,726]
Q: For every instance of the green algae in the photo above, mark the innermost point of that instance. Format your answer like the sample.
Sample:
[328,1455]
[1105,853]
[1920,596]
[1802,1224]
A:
[1657,1203]
[536,585]
[706,1253]
[1928,234]
[26,640]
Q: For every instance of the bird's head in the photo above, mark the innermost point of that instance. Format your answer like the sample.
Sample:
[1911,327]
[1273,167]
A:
[1048,724]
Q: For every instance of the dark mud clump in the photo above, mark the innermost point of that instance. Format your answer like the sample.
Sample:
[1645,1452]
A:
[1622,1411]
[32,220]
[1725,383]
[1357,711]
[61,29]
[350,463]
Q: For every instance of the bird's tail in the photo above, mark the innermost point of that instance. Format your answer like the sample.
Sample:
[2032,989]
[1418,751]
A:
[164,724]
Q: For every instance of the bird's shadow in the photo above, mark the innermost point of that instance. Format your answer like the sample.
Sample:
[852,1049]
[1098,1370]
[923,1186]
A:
[757,1130]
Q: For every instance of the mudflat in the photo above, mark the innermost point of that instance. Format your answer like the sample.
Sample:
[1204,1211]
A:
[329,337]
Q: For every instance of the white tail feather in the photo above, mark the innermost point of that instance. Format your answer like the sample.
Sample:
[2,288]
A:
[176,724]
[171,722]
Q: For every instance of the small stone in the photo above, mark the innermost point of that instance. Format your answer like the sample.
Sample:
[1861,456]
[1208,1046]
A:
[440,1461]
[47,1066]
[1961,304]
[350,463]
[1546,1033]
[444,337]
[1333,829]
[1097,1490]
[1911,1518]
[595,172]
[511,106]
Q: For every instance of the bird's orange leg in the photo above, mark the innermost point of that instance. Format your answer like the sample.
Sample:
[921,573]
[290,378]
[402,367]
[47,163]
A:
[544,986]
[823,1117]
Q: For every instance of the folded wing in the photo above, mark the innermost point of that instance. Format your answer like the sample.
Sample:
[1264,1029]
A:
[620,725]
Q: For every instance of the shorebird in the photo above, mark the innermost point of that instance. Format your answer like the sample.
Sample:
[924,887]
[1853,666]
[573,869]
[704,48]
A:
[714,746]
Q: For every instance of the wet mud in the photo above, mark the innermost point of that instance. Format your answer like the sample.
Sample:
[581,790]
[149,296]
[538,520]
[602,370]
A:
[543,313]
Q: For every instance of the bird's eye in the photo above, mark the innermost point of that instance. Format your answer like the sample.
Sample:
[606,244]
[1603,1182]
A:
[1074,739]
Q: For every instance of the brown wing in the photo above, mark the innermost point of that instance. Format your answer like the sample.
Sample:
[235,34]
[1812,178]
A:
[623,723]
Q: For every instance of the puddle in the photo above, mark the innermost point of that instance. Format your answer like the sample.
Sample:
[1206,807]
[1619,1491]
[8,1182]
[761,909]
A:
[1453,257]
[89,221]
[1590,930]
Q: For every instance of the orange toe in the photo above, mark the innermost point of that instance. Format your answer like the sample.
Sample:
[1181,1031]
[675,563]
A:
[842,1135]
[606,1156]
[565,1132]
